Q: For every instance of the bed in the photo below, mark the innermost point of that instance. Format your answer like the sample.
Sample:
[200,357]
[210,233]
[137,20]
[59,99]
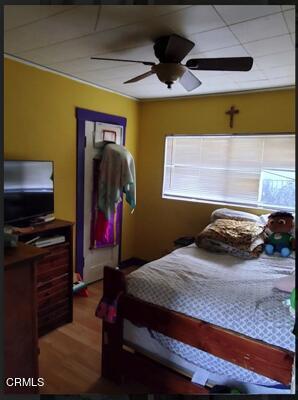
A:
[192,317]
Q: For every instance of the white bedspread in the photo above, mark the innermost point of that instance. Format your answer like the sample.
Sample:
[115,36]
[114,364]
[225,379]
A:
[223,290]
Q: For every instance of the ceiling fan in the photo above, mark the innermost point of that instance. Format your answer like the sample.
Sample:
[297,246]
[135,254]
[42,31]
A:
[170,51]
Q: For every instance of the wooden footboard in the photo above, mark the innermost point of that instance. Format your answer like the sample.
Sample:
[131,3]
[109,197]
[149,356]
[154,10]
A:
[270,361]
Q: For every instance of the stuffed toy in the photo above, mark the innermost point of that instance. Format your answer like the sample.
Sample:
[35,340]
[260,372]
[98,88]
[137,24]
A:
[279,236]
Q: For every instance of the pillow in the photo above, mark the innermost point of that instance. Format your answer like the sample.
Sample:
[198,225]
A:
[286,284]
[227,213]
[239,238]
[264,218]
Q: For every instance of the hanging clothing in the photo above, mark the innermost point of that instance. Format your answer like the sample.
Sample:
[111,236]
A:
[116,176]
[103,232]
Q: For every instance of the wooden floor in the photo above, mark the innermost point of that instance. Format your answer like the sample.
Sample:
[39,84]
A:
[70,356]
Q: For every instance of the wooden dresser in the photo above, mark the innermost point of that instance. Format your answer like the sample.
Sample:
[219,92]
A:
[20,332]
[54,276]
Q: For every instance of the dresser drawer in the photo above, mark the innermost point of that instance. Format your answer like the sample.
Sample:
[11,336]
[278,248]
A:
[60,313]
[54,263]
[54,305]
[46,274]
[55,251]
[56,285]
[48,298]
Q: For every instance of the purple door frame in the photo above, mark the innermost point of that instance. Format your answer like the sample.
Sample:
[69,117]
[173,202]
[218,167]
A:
[83,115]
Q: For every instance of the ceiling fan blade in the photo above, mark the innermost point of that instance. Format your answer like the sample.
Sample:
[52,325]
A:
[116,59]
[189,81]
[221,64]
[172,48]
[140,77]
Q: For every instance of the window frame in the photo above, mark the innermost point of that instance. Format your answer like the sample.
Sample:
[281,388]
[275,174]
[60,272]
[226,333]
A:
[219,202]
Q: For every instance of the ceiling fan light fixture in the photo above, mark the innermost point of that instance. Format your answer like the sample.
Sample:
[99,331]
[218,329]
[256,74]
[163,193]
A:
[169,84]
[168,72]
[170,50]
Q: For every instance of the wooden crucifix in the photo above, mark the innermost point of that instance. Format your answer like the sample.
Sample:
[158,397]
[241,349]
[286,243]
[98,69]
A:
[231,113]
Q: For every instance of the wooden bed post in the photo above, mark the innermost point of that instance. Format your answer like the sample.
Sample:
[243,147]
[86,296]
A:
[112,334]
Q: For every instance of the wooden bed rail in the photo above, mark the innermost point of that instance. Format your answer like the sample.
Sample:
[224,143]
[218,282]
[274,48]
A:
[255,355]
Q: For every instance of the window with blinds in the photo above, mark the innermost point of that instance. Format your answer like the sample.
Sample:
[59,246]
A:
[248,170]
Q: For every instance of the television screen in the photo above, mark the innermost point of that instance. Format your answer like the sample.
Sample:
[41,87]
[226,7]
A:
[28,190]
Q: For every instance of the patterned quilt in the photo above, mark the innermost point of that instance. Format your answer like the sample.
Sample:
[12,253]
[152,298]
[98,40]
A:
[223,290]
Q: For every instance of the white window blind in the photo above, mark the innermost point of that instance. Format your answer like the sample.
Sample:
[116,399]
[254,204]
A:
[251,170]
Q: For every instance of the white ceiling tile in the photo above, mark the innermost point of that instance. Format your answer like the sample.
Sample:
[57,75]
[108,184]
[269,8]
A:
[149,80]
[260,28]
[287,71]
[128,71]
[99,43]
[19,15]
[144,93]
[85,64]
[261,84]
[211,87]
[275,60]
[290,19]
[216,39]
[142,53]
[269,46]
[287,7]
[208,74]
[284,8]
[223,86]
[217,84]
[233,14]
[161,90]
[75,23]
[121,91]
[138,89]
[282,82]
[247,76]
[233,51]
[293,37]
[114,16]
[60,53]
[193,20]
[215,80]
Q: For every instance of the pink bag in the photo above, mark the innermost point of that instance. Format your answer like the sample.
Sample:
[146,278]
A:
[106,310]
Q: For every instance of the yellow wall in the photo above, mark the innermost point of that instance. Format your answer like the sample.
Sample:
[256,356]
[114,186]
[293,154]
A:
[160,221]
[40,124]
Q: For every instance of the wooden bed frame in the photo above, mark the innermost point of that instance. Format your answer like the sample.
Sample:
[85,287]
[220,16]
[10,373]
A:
[120,362]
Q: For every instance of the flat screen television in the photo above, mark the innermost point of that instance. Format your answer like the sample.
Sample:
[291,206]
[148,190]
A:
[28,191]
